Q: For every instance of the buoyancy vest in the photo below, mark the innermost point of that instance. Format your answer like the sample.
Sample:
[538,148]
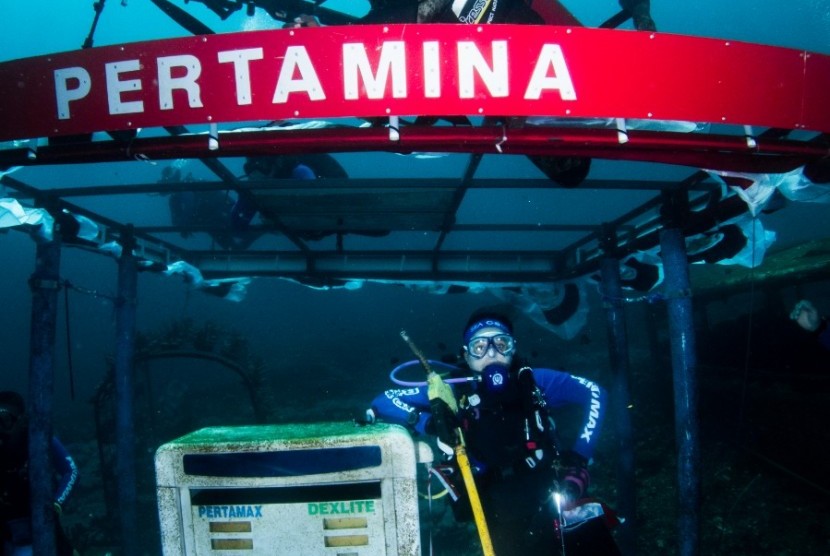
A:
[509,430]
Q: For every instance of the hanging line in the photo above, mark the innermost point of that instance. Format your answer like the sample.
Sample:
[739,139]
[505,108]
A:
[67,285]
[87,291]
[429,506]
[650,297]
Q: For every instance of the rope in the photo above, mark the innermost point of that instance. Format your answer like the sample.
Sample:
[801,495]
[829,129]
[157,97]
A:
[67,285]
[94,293]
[429,503]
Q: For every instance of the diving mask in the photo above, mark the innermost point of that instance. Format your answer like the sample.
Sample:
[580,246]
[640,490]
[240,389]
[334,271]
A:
[478,346]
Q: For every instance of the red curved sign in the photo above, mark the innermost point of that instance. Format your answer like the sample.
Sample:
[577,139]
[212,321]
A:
[437,70]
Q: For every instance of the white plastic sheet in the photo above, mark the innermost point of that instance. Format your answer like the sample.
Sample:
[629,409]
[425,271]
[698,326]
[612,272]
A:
[12,213]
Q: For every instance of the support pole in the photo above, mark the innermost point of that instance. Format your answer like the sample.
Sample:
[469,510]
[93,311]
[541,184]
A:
[621,396]
[684,368]
[124,393]
[44,283]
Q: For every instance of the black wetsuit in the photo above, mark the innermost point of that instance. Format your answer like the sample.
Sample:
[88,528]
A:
[392,11]
[517,497]
[473,11]
[492,11]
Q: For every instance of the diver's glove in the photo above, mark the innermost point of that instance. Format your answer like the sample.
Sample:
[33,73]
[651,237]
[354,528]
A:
[443,408]
[437,389]
[575,478]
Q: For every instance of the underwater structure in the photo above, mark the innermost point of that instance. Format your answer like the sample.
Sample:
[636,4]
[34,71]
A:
[670,162]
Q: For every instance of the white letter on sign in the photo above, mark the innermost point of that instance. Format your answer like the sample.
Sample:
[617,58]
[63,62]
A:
[495,79]
[116,87]
[392,56]
[64,94]
[432,69]
[187,82]
[551,55]
[242,71]
[296,57]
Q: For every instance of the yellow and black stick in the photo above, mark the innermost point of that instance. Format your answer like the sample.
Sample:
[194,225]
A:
[435,384]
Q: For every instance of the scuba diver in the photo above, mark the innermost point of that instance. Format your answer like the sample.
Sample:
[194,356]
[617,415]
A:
[524,480]
[299,167]
[440,11]
[475,11]
[229,214]
[216,210]
[310,166]
[15,502]
[807,317]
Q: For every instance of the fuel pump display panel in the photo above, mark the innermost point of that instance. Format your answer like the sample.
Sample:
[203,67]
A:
[327,519]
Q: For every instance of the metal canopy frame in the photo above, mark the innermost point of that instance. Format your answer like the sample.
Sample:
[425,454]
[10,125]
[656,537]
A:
[338,207]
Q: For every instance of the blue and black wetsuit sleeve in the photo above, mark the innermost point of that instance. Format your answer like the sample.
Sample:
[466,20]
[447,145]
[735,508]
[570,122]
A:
[561,389]
[407,406]
[66,470]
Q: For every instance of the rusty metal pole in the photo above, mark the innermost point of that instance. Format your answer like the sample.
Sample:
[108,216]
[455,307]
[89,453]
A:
[677,287]
[612,297]
[44,283]
[124,393]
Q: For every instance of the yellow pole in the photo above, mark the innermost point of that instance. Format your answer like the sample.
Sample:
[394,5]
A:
[475,501]
[463,465]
